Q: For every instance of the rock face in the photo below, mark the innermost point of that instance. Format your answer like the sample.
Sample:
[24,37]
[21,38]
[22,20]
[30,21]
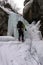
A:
[4,18]
[3,22]
[26,2]
[7,5]
[41,13]
[35,12]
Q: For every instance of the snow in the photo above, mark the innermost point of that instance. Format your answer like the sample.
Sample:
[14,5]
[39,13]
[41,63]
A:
[6,38]
[7,10]
[29,52]
[14,52]
[34,31]
[39,47]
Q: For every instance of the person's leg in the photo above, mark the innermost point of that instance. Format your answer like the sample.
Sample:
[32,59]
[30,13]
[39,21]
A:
[22,36]
[19,35]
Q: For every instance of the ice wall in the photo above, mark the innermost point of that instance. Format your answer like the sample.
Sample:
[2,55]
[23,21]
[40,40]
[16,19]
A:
[12,22]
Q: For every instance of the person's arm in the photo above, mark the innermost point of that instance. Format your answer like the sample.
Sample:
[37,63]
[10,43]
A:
[24,27]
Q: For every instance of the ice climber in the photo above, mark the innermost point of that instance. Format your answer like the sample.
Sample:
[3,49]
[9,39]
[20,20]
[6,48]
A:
[21,28]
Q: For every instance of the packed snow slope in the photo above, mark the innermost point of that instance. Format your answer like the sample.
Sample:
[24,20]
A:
[17,53]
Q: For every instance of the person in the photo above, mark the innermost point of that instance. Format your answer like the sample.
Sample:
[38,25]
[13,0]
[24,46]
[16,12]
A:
[21,28]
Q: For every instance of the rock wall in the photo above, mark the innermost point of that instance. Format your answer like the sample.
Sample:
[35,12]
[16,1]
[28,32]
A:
[41,13]
[35,16]
[3,22]
[32,12]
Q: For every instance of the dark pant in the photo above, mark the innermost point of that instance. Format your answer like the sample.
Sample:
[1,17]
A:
[21,34]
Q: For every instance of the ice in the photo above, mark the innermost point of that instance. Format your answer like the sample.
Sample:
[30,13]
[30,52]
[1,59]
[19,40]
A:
[12,25]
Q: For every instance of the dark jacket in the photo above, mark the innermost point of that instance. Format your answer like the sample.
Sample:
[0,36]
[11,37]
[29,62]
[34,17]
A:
[20,25]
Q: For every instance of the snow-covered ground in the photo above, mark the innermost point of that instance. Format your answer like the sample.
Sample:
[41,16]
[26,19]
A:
[30,52]
[17,53]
